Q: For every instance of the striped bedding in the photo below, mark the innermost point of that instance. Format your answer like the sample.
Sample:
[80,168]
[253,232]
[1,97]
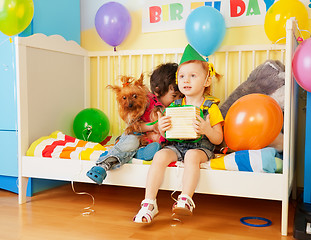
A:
[59,145]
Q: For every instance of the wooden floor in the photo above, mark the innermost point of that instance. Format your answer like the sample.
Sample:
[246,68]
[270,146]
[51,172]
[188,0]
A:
[57,214]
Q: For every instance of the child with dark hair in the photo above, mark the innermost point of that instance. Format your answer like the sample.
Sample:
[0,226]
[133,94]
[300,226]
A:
[166,72]
[164,91]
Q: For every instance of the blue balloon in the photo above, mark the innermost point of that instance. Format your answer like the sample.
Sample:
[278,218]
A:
[205,29]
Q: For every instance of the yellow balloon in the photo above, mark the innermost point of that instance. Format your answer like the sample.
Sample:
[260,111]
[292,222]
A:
[15,15]
[279,13]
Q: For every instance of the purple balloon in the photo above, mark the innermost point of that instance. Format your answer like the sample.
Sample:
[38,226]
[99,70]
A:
[302,64]
[113,23]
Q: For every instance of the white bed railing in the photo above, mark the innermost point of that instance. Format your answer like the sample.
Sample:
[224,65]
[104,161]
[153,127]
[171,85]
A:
[234,63]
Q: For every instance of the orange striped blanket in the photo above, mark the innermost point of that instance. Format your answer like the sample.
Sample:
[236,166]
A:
[59,145]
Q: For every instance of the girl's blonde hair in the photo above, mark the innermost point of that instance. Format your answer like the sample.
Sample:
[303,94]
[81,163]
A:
[209,69]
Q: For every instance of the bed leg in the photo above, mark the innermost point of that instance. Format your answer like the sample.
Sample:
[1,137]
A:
[22,189]
[284,220]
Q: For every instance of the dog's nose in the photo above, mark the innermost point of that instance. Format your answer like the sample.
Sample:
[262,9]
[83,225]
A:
[130,105]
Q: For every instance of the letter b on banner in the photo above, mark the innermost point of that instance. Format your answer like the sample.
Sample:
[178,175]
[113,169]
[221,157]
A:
[155,13]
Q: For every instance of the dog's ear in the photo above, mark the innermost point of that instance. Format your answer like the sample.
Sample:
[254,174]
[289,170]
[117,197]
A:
[140,81]
[116,89]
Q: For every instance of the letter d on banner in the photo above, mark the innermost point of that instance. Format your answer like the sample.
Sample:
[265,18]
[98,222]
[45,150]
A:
[236,5]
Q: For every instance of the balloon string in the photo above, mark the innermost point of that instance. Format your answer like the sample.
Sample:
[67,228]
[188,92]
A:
[89,134]
[14,80]
[303,30]
[116,70]
[89,209]
[279,40]
[300,34]
[4,41]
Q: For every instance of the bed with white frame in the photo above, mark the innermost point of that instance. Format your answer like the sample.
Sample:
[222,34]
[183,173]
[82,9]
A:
[55,78]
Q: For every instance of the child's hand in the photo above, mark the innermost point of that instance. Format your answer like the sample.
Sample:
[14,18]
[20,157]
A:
[155,128]
[214,134]
[201,126]
[164,123]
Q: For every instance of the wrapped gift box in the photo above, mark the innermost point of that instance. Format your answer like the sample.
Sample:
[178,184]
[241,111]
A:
[182,119]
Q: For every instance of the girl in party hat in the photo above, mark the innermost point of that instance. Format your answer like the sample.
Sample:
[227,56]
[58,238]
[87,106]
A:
[194,77]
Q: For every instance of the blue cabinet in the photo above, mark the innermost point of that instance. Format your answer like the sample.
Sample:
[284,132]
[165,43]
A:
[50,17]
[8,119]
[8,153]
[8,106]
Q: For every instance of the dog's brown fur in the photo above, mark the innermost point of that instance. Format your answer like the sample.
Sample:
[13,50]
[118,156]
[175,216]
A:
[132,100]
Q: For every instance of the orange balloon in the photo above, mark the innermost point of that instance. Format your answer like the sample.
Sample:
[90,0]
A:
[252,122]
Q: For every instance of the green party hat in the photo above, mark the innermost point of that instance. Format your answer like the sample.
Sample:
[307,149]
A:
[191,54]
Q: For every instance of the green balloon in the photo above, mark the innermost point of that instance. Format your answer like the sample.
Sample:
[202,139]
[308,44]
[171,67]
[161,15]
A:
[15,15]
[91,124]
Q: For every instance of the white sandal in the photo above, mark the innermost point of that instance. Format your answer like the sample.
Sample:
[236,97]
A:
[145,212]
[184,205]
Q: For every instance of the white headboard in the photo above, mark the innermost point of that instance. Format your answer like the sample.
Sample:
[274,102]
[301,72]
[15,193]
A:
[45,67]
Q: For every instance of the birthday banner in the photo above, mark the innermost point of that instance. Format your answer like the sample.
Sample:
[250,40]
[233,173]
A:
[164,15]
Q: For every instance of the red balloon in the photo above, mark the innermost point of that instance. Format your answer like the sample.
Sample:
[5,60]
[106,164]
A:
[252,122]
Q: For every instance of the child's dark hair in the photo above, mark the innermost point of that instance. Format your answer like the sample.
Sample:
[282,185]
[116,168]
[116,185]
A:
[162,77]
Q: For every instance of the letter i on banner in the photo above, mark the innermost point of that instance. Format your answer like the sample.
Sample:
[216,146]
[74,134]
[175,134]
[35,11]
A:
[165,13]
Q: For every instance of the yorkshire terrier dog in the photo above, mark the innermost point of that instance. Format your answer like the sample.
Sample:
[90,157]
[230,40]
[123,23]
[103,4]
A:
[135,103]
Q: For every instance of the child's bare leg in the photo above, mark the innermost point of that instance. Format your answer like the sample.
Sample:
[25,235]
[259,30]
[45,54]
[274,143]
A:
[157,170]
[149,208]
[192,161]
